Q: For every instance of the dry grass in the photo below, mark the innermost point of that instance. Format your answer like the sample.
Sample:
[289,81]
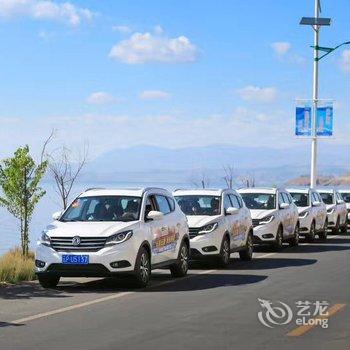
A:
[15,268]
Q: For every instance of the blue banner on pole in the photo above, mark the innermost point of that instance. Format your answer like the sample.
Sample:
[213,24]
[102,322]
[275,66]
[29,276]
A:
[303,121]
[325,121]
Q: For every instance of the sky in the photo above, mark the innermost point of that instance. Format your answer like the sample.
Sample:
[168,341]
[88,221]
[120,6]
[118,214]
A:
[117,73]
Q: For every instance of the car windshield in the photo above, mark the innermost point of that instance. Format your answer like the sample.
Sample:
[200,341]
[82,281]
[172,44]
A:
[199,205]
[103,208]
[328,198]
[300,199]
[346,197]
[264,201]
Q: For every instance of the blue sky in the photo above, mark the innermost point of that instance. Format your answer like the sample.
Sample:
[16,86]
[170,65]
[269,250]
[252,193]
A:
[167,73]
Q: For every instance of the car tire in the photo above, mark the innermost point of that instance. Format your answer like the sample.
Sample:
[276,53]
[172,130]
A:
[180,268]
[47,281]
[294,242]
[142,270]
[278,244]
[310,237]
[336,229]
[344,227]
[225,252]
[247,253]
[324,233]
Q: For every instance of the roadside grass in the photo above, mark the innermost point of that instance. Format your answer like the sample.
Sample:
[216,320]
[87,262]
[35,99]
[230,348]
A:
[15,268]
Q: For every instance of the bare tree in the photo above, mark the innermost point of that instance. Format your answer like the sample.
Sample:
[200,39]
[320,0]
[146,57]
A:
[229,175]
[201,180]
[66,170]
[248,181]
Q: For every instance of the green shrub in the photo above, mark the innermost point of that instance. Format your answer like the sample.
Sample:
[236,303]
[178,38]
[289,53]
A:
[15,268]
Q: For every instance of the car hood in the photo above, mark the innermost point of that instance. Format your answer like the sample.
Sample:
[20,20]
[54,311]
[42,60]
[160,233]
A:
[330,206]
[201,220]
[302,209]
[87,229]
[259,214]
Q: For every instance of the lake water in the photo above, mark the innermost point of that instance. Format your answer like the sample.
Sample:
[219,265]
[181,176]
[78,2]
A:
[10,228]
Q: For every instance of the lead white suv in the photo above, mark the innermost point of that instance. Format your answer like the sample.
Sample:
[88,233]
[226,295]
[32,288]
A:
[336,210]
[108,232]
[312,212]
[275,216]
[219,224]
[345,193]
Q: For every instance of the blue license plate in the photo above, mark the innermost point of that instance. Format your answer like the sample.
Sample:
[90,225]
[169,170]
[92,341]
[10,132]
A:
[75,259]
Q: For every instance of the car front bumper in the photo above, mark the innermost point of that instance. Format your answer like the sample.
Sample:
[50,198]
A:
[205,245]
[99,262]
[265,233]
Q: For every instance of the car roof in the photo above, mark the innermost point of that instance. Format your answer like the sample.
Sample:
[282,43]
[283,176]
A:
[298,190]
[344,190]
[133,192]
[202,191]
[269,190]
[325,190]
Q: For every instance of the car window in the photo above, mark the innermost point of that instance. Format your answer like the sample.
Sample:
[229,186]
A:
[163,204]
[327,197]
[171,203]
[150,205]
[264,201]
[227,202]
[300,199]
[346,197]
[235,201]
[280,199]
[199,205]
[315,197]
[339,196]
[240,200]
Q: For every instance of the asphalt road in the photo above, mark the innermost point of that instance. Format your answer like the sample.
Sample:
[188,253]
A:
[209,309]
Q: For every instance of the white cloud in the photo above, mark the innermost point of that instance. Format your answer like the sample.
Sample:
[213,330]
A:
[345,61]
[121,29]
[257,94]
[44,10]
[281,47]
[101,98]
[154,95]
[154,47]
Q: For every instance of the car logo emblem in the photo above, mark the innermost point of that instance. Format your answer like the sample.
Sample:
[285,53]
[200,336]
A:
[76,241]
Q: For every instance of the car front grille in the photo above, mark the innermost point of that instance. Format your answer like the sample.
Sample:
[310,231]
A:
[194,231]
[255,222]
[87,244]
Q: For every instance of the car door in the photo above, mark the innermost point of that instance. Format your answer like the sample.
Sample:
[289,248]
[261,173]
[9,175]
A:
[241,218]
[168,241]
[157,230]
[316,211]
[231,222]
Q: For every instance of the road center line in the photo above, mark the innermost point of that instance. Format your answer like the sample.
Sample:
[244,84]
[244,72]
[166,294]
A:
[301,330]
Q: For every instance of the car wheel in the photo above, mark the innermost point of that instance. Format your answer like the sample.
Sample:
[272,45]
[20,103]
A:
[278,244]
[294,242]
[247,253]
[324,233]
[180,268]
[225,252]
[47,281]
[335,230]
[344,228]
[311,235]
[142,271]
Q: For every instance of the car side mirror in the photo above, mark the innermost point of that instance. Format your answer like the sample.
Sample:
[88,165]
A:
[155,215]
[316,204]
[231,211]
[284,206]
[57,215]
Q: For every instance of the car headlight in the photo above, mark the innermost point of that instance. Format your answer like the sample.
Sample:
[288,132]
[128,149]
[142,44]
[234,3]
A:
[45,239]
[303,215]
[266,220]
[208,228]
[119,237]
[330,211]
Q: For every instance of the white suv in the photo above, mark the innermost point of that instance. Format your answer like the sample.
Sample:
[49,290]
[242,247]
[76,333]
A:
[346,197]
[275,216]
[336,210]
[109,232]
[219,224]
[312,212]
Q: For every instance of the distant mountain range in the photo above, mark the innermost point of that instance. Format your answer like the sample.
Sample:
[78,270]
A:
[164,165]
